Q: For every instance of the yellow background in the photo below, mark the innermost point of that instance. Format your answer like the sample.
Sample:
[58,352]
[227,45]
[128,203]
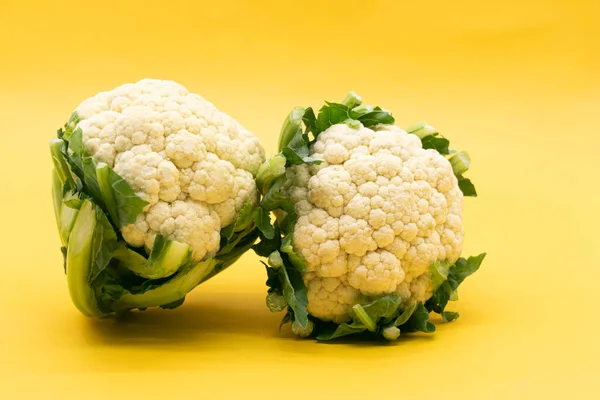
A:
[517,83]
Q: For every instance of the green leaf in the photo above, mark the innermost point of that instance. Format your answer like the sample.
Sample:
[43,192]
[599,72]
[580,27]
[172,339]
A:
[371,116]
[244,242]
[122,203]
[106,188]
[294,292]
[287,248]
[288,222]
[466,186]
[331,114]
[269,171]
[229,245]
[310,121]
[84,167]
[244,218]
[262,220]
[273,282]
[61,166]
[384,308]
[439,273]
[275,198]
[449,316]
[292,127]
[341,330]
[129,204]
[374,317]
[297,152]
[173,304]
[406,314]
[265,246]
[287,281]
[227,234]
[73,202]
[107,291]
[457,273]
[463,268]
[108,195]
[365,319]
[242,224]
[103,244]
[293,144]
[418,321]
[437,143]
[69,126]
[288,317]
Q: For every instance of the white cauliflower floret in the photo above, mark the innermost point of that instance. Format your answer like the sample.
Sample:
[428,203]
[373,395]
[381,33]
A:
[377,272]
[330,299]
[373,217]
[188,222]
[193,164]
[185,149]
[213,181]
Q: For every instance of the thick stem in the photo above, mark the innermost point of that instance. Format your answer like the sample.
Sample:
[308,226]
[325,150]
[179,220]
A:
[422,129]
[57,196]
[269,171]
[102,171]
[391,333]
[352,100]
[58,159]
[173,290]
[79,260]
[461,162]
[291,125]
[362,315]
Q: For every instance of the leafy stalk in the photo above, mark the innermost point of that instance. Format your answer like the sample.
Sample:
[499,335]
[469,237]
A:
[269,171]
[173,290]
[290,127]
[364,318]
[461,162]
[447,290]
[80,259]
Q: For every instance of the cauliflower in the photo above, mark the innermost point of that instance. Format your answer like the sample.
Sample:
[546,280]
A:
[368,209]
[170,174]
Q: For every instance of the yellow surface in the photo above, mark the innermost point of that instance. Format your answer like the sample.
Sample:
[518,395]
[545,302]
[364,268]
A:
[516,83]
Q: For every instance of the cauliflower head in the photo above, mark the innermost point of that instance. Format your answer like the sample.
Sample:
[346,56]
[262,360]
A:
[154,193]
[193,164]
[370,222]
[372,217]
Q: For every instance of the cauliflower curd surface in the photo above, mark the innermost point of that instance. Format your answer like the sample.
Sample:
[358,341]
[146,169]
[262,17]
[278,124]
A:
[373,217]
[192,163]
